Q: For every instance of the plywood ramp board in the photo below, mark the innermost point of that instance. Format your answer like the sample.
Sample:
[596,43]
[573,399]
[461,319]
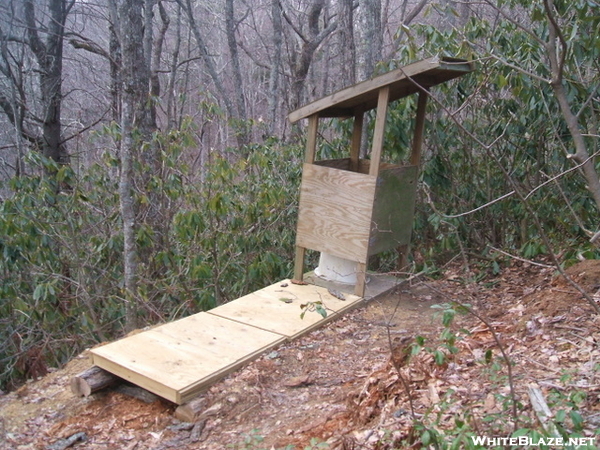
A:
[277,308]
[180,359]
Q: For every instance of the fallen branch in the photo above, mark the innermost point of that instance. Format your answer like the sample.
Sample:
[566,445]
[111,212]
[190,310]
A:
[528,261]
[63,444]
[542,411]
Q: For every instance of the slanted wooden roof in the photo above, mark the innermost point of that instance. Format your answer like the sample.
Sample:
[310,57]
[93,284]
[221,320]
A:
[402,82]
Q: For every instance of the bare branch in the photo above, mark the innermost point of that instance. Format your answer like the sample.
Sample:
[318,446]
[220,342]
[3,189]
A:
[84,129]
[528,261]
[557,30]
[10,38]
[521,70]
[86,44]
[35,43]
[479,208]
[294,27]
[514,22]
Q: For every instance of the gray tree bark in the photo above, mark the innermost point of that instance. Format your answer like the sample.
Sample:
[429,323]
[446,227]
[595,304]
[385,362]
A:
[135,93]
[49,56]
[373,36]
[172,116]
[346,42]
[276,18]
[156,52]
[241,127]
[311,42]
[114,61]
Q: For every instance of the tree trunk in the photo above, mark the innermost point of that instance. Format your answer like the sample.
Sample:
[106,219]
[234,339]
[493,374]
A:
[49,56]
[114,47]
[135,93]
[555,56]
[207,58]
[172,116]
[156,57]
[346,42]
[241,127]
[276,14]
[373,36]
[311,44]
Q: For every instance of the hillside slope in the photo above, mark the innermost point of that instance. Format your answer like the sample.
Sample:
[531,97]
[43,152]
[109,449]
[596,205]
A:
[340,384]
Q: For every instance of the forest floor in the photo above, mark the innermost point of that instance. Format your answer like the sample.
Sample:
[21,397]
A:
[341,384]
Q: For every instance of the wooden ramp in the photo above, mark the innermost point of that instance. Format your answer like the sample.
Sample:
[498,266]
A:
[178,360]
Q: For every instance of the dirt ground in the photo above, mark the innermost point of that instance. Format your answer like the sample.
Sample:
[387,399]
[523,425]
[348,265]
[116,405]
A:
[343,383]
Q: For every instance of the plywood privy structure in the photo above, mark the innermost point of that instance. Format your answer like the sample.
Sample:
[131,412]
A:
[354,208]
[349,207]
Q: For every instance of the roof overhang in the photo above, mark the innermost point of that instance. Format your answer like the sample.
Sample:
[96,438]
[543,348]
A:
[402,82]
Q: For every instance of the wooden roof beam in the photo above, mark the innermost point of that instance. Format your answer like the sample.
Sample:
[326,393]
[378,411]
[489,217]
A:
[401,82]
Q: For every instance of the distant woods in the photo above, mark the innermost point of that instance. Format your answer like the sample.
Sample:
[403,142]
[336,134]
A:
[236,67]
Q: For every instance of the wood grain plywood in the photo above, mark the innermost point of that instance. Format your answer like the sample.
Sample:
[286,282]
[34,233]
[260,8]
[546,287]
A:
[179,359]
[335,212]
[276,308]
[302,292]
[402,82]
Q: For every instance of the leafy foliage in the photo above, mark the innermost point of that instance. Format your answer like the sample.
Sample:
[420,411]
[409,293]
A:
[507,105]
[61,266]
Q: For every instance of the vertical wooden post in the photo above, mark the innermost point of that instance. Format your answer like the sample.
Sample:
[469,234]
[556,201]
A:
[415,156]
[299,263]
[403,252]
[357,129]
[309,158]
[415,160]
[361,279]
[376,149]
[311,139]
[378,135]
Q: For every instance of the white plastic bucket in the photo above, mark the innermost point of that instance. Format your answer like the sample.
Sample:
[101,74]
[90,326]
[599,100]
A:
[332,268]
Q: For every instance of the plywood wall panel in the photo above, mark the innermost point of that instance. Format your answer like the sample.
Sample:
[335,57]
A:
[335,212]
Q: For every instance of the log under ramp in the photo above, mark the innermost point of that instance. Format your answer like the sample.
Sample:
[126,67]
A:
[181,359]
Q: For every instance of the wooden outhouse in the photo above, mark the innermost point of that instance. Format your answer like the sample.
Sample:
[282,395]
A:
[354,208]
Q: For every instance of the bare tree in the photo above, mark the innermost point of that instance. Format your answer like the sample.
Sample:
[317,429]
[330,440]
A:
[172,115]
[44,39]
[49,55]
[241,116]
[156,49]
[347,47]
[210,64]
[373,36]
[318,31]
[276,18]
[134,117]
[556,48]
[115,61]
